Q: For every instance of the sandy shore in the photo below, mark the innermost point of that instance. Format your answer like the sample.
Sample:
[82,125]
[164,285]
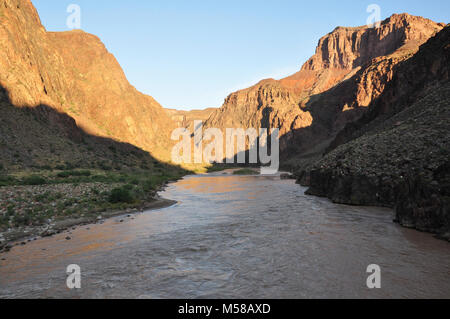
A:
[22,237]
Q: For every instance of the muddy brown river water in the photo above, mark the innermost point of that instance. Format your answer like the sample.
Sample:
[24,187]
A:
[234,237]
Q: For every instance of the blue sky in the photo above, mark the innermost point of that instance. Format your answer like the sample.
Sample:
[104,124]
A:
[191,54]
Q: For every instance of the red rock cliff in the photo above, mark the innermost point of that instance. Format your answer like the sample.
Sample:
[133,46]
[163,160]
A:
[358,59]
[74,73]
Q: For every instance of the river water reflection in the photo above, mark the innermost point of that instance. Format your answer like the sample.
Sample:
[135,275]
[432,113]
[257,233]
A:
[235,237]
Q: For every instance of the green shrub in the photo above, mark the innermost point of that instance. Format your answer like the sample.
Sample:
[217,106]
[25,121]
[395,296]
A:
[121,195]
[24,219]
[128,187]
[34,180]
[149,185]
[4,222]
[63,174]
[99,178]
[70,166]
[10,210]
[67,174]
[104,166]
[153,182]
[6,180]
[82,173]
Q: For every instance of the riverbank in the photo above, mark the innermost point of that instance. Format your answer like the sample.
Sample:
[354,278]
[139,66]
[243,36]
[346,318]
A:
[419,202]
[29,212]
[402,163]
[46,203]
[23,236]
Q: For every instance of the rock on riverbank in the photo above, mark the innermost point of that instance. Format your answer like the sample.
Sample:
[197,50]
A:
[404,165]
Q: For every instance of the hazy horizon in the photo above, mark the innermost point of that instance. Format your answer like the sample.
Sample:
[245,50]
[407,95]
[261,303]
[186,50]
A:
[192,55]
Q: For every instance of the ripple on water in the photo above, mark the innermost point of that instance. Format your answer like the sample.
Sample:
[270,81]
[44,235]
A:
[231,237]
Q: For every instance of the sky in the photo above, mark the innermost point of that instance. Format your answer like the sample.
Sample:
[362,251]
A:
[191,54]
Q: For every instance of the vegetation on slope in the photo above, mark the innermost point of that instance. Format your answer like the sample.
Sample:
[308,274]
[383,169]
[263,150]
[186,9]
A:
[51,171]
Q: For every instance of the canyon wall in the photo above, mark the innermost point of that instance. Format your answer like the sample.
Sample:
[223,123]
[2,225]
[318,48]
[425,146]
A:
[350,68]
[397,154]
[73,73]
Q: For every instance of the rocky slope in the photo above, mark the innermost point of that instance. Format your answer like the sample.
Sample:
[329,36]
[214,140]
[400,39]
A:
[42,138]
[350,68]
[397,153]
[73,73]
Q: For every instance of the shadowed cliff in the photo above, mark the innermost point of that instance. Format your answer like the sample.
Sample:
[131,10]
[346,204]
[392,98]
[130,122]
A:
[40,137]
[73,73]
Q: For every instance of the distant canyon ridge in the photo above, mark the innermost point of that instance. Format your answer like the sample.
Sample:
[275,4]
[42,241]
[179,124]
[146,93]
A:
[73,73]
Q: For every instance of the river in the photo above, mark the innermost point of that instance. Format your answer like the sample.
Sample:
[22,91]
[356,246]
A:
[234,237]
